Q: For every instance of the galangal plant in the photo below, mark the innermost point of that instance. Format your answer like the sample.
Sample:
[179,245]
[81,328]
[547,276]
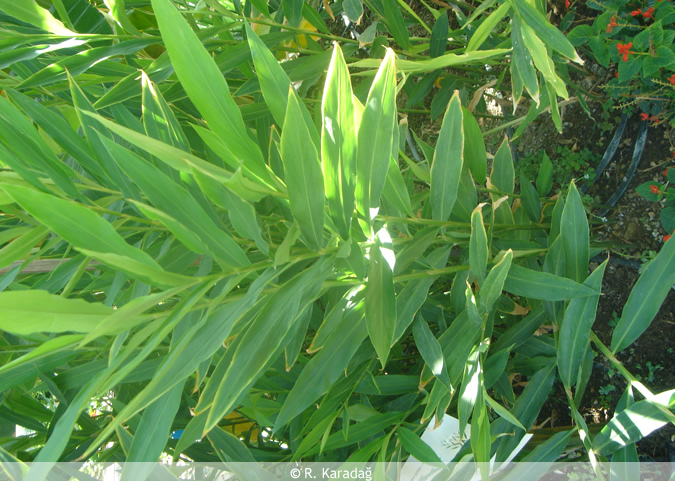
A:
[177,282]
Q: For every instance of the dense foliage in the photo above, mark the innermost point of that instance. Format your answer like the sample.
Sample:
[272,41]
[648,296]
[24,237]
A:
[211,232]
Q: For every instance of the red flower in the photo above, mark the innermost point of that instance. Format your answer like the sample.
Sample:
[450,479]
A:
[612,24]
[637,12]
[648,13]
[567,3]
[666,238]
[644,116]
[665,172]
[672,79]
[655,189]
[624,49]
[616,74]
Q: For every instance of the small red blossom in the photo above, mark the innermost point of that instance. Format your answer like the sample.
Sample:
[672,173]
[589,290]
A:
[666,238]
[665,172]
[637,12]
[624,49]
[648,13]
[672,79]
[616,74]
[612,24]
[655,189]
[644,116]
[567,3]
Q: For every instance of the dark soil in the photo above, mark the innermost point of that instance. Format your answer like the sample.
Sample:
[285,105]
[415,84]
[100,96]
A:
[634,226]
[632,229]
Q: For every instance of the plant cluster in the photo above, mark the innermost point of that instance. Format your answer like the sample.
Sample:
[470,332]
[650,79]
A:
[568,164]
[635,40]
[203,257]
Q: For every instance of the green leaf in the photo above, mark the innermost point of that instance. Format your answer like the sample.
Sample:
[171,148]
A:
[302,171]
[33,311]
[537,463]
[526,409]
[77,64]
[471,388]
[431,351]
[439,36]
[44,358]
[394,19]
[474,147]
[503,175]
[32,152]
[547,32]
[495,282]
[478,245]
[448,160]
[380,304]
[339,143]
[502,411]
[242,214]
[292,11]
[634,423]
[153,431]
[542,285]
[325,367]
[416,447]
[353,9]
[264,338]
[545,176]
[22,245]
[230,448]
[375,137]
[575,236]
[488,26]
[646,298]
[542,60]
[530,200]
[58,130]
[92,235]
[207,89]
[522,60]
[275,84]
[574,334]
[30,12]
[199,231]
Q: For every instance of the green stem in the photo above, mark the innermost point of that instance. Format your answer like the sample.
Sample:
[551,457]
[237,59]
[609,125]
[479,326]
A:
[76,277]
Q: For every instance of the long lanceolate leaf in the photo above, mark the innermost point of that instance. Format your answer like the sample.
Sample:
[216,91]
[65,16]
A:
[92,235]
[374,138]
[302,171]
[448,160]
[646,298]
[338,143]
[265,337]
[171,198]
[574,236]
[208,89]
[380,304]
[575,329]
